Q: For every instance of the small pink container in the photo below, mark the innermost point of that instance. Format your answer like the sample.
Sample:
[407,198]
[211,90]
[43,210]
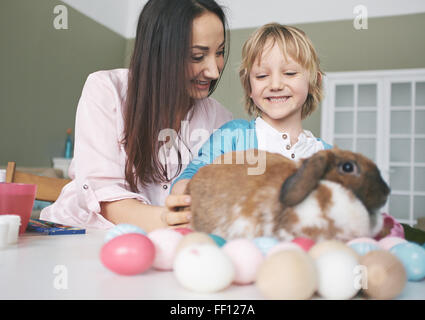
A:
[17,198]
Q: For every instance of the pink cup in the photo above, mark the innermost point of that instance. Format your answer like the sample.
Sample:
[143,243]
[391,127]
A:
[18,198]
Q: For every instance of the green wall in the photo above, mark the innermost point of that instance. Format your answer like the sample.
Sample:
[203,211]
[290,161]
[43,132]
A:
[42,73]
[43,69]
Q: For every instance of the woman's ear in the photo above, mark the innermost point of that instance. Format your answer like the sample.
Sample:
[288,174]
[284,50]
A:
[298,186]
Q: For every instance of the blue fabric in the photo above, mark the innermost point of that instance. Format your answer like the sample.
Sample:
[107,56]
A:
[325,145]
[235,135]
[39,205]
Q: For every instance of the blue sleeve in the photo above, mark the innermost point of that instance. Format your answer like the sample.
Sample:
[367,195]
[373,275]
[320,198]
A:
[325,145]
[221,141]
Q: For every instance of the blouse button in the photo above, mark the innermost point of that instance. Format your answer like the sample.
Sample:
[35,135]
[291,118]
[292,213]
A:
[165,187]
[284,136]
[85,187]
[293,155]
[288,147]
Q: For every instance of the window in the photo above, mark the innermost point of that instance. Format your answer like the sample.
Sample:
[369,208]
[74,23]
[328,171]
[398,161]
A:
[381,114]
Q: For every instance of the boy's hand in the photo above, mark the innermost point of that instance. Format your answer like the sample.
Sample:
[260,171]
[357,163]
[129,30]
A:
[180,186]
[172,214]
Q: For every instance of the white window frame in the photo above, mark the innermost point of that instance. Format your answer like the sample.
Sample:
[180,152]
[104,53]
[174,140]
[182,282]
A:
[383,79]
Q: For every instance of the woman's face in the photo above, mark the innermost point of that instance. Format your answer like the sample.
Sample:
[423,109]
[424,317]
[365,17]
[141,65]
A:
[206,54]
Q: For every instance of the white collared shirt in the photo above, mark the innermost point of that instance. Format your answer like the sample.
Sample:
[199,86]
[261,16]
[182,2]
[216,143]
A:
[271,140]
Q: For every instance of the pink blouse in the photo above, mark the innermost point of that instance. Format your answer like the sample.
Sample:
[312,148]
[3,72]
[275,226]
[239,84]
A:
[97,168]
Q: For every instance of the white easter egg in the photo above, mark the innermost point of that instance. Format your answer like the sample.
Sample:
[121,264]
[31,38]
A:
[336,275]
[203,268]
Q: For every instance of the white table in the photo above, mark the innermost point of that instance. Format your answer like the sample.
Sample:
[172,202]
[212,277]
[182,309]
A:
[68,267]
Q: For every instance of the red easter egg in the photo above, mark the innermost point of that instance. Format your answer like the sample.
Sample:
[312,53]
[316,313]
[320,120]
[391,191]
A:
[304,243]
[183,231]
[128,254]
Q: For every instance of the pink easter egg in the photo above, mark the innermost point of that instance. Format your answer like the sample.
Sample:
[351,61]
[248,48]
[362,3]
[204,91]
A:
[128,254]
[183,231]
[304,243]
[363,240]
[284,246]
[246,258]
[165,241]
[388,242]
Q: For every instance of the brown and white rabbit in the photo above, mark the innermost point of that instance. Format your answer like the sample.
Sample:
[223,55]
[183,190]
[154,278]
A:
[334,194]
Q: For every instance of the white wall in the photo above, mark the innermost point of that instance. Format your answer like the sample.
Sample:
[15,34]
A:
[118,15]
[254,13]
[121,15]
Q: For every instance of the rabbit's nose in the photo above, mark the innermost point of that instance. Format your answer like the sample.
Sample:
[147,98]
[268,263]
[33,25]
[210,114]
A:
[385,188]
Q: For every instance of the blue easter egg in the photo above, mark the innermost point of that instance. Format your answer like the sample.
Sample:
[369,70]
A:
[218,240]
[363,247]
[412,256]
[122,228]
[265,243]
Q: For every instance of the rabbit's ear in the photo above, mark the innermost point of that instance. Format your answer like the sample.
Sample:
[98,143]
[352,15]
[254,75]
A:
[299,185]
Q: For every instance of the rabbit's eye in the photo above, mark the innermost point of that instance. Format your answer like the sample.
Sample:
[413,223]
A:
[348,167]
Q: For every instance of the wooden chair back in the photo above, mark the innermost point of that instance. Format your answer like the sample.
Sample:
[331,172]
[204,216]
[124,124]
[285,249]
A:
[48,189]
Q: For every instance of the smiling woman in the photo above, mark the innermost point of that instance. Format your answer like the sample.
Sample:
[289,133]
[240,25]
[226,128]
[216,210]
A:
[207,54]
[119,173]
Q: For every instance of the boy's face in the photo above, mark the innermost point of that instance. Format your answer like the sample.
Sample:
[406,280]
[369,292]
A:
[279,87]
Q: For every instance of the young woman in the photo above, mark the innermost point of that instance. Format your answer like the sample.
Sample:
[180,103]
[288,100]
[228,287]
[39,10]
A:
[120,173]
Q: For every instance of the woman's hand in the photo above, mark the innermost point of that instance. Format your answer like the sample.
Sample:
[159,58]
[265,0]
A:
[177,210]
[175,213]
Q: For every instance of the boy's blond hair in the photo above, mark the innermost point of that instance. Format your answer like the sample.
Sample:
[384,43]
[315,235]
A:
[294,43]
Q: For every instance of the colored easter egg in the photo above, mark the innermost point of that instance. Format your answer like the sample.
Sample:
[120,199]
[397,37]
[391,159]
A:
[287,275]
[121,229]
[218,240]
[384,276]
[388,242]
[128,254]
[284,245]
[304,243]
[183,231]
[362,240]
[165,241]
[194,238]
[412,256]
[265,243]
[336,276]
[203,268]
[364,247]
[246,258]
[330,245]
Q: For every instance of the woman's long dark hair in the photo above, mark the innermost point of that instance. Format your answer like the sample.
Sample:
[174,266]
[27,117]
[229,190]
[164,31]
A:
[157,97]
